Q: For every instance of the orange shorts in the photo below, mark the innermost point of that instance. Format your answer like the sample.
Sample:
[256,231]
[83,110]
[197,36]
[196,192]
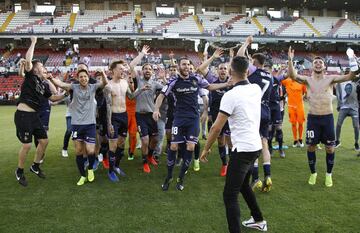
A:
[132,126]
[296,114]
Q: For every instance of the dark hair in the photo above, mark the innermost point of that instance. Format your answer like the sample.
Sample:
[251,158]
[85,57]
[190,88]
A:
[82,63]
[259,57]
[268,63]
[115,63]
[319,58]
[239,65]
[146,64]
[34,63]
[80,71]
[183,58]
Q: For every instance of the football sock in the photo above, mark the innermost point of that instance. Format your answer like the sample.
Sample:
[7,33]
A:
[222,153]
[293,127]
[91,159]
[171,156]
[279,138]
[301,130]
[266,167]
[80,164]
[197,151]
[118,155]
[111,160]
[185,166]
[330,159]
[255,172]
[312,161]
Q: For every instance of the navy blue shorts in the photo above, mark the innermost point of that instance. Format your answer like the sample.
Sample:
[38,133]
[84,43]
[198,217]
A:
[120,123]
[226,128]
[147,126]
[275,115]
[264,128]
[84,133]
[185,130]
[320,128]
[45,119]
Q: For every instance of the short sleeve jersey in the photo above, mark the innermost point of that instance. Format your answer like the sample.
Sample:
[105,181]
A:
[265,81]
[83,104]
[145,100]
[33,91]
[186,93]
[217,94]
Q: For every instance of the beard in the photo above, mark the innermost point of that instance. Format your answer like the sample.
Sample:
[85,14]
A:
[318,71]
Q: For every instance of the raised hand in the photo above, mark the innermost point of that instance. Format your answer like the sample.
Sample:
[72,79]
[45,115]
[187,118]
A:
[33,39]
[145,50]
[291,53]
[218,53]
[231,53]
[249,39]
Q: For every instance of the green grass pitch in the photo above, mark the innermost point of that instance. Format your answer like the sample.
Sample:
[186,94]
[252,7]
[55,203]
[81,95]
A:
[137,204]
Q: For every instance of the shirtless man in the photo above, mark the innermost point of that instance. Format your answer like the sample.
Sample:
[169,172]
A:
[115,94]
[320,120]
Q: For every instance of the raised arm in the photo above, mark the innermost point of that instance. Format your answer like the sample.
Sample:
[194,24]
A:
[104,80]
[342,78]
[291,70]
[241,52]
[137,60]
[22,63]
[204,67]
[30,54]
[57,82]
[217,86]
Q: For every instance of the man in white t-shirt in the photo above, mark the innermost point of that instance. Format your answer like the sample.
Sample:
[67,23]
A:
[241,107]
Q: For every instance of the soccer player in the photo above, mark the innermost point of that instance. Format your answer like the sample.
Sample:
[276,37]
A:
[132,126]
[320,120]
[275,112]
[295,92]
[26,117]
[83,119]
[185,86]
[241,107]
[258,75]
[348,105]
[117,119]
[222,77]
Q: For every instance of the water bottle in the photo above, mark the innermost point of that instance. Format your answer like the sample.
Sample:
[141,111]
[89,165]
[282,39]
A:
[352,60]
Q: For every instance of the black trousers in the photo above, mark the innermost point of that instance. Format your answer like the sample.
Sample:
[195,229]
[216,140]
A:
[237,180]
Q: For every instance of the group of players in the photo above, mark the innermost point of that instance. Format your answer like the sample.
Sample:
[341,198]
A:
[102,110]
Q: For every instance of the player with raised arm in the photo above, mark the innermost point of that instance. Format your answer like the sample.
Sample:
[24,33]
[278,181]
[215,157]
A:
[185,86]
[320,120]
[26,117]
[83,114]
[258,75]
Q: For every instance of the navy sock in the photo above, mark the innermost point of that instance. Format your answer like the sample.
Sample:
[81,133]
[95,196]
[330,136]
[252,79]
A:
[20,170]
[181,151]
[80,164]
[104,149]
[255,172]
[197,151]
[330,159]
[118,156]
[266,168]
[91,159]
[312,161]
[222,153]
[144,159]
[150,152]
[111,160]
[171,156]
[36,166]
[279,138]
[186,163]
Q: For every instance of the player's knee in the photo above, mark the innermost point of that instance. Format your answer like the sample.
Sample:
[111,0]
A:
[26,146]
[330,149]
[311,148]
[174,147]
[43,142]
[190,146]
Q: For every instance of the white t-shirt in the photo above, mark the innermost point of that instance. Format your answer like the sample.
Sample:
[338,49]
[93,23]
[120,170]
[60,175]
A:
[243,106]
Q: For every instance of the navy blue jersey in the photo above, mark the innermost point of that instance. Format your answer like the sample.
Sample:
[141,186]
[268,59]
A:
[275,93]
[171,106]
[217,95]
[186,93]
[265,81]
